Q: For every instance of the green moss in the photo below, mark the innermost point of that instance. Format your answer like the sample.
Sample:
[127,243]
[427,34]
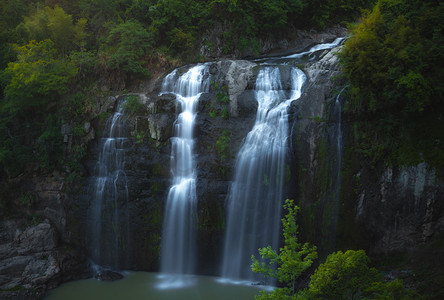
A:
[155,189]
[287,174]
[224,114]
[15,288]
[211,218]
[26,199]
[318,119]
[104,116]
[213,113]
[222,145]
[153,244]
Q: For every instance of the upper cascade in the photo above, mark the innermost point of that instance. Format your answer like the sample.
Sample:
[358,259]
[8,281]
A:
[189,84]
[178,238]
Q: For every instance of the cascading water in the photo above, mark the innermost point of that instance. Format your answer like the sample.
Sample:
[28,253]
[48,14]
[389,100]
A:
[178,237]
[318,47]
[256,194]
[108,228]
[330,203]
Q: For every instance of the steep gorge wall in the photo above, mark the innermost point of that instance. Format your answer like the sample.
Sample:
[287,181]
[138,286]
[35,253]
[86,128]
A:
[381,209]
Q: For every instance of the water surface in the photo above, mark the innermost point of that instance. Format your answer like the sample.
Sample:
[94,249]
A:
[142,285]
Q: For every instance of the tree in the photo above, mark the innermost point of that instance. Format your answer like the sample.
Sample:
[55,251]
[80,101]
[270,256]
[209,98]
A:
[343,275]
[54,24]
[37,76]
[393,61]
[291,261]
[128,44]
[347,275]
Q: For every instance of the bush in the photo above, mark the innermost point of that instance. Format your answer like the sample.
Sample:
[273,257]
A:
[291,260]
[347,275]
[129,43]
[132,105]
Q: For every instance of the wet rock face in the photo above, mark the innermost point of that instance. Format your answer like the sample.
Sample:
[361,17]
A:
[403,208]
[383,210]
[147,178]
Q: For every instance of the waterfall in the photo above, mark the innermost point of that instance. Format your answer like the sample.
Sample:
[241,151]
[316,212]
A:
[178,236]
[108,216]
[330,203]
[256,194]
[318,47]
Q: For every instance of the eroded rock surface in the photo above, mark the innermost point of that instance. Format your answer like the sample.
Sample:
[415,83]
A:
[31,260]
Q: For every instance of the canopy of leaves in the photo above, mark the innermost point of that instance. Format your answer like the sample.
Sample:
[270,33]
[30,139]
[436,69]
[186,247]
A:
[347,275]
[393,61]
[128,44]
[37,76]
[343,275]
[55,24]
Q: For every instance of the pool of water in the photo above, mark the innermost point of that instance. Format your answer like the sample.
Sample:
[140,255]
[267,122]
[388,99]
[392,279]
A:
[142,285]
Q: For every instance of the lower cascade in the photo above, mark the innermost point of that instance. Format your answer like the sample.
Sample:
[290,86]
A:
[261,171]
[108,216]
[178,236]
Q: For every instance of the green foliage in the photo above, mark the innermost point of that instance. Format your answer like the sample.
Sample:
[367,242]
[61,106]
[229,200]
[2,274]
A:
[50,144]
[213,113]
[223,145]
[37,76]
[26,199]
[15,153]
[224,113]
[347,275]
[74,108]
[140,137]
[391,290]
[132,105]
[343,275]
[73,161]
[290,262]
[54,24]
[322,13]
[86,62]
[129,43]
[392,62]
[78,131]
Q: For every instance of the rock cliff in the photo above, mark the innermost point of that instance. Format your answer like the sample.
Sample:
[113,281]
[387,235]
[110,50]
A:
[346,202]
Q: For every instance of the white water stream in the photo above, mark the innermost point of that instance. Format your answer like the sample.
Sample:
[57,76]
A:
[178,237]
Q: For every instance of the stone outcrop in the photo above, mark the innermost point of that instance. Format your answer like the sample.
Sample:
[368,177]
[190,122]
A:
[402,209]
[32,260]
[234,74]
[281,44]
